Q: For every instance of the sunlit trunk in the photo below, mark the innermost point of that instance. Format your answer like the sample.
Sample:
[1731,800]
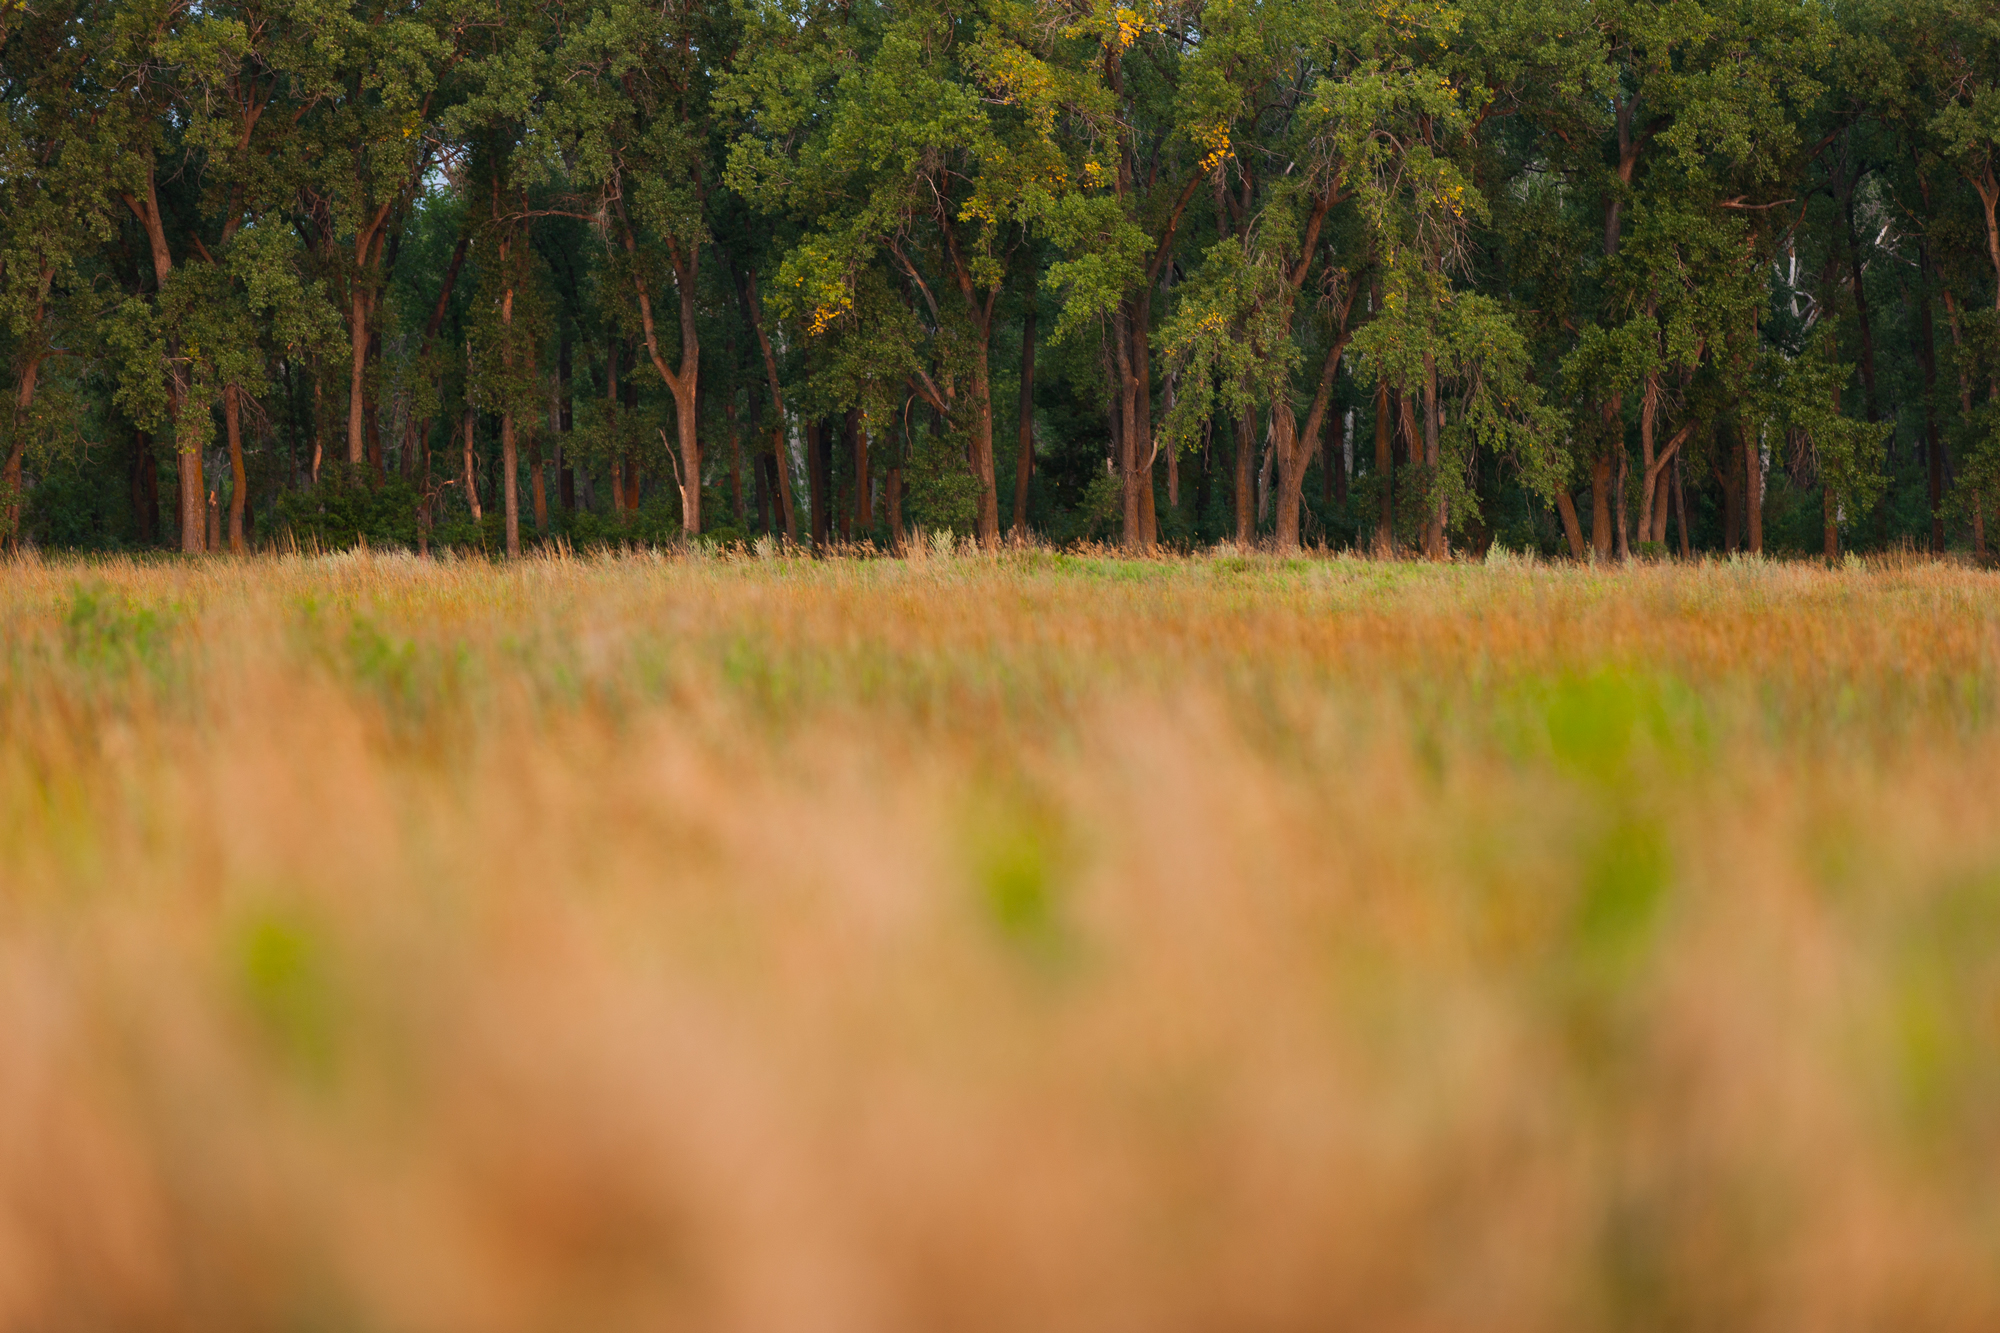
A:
[471,475]
[232,418]
[982,442]
[690,462]
[1572,526]
[357,411]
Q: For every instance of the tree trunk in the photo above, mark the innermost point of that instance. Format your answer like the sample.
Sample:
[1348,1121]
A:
[687,427]
[815,485]
[1662,500]
[762,482]
[1434,541]
[1385,472]
[471,476]
[319,416]
[841,509]
[1133,533]
[239,485]
[829,488]
[1731,480]
[1653,489]
[1988,189]
[10,478]
[684,383]
[357,411]
[1572,528]
[1339,457]
[1246,514]
[191,517]
[1140,419]
[864,509]
[1649,409]
[1264,496]
[538,485]
[1024,459]
[1296,448]
[1753,496]
[372,409]
[982,438]
[896,539]
[194,502]
[1291,473]
[748,287]
[422,439]
[1600,507]
[1832,529]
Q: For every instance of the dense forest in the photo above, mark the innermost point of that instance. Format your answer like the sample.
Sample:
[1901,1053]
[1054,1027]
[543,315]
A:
[1647,277]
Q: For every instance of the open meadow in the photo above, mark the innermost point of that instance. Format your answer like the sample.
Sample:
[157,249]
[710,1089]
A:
[998,943]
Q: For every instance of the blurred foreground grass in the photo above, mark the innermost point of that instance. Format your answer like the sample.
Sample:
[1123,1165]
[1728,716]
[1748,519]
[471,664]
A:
[967,944]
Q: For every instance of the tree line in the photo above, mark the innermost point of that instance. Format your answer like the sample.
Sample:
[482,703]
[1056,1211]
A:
[1612,279]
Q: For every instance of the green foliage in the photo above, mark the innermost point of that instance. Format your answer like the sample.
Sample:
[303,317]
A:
[345,507]
[1557,233]
[939,492]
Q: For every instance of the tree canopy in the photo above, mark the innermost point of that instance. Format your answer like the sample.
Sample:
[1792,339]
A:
[1604,280]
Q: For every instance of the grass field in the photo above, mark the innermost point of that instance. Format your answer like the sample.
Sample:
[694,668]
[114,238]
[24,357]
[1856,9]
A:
[968,944]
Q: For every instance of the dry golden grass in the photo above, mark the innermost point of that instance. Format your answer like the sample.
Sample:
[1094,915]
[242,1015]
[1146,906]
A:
[1032,944]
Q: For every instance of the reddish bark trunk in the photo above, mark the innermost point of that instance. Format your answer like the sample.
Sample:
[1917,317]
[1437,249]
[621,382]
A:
[232,420]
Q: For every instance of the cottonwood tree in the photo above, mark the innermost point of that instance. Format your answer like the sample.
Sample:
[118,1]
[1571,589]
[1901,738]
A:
[373,82]
[59,141]
[906,136]
[627,128]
